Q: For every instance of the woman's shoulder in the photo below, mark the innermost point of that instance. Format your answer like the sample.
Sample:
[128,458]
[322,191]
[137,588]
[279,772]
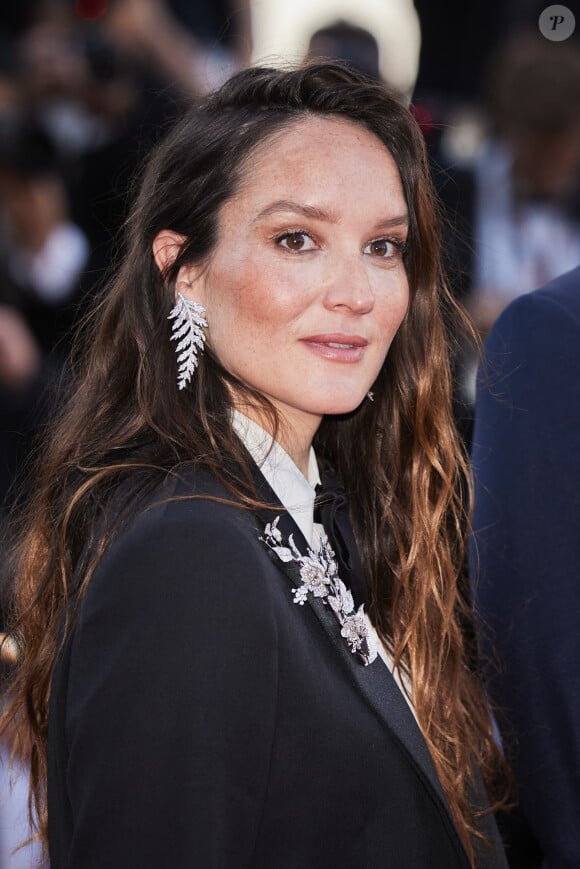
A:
[189,532]
[190,496]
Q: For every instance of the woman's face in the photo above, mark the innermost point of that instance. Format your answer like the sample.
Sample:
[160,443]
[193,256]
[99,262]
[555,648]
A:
[306,286]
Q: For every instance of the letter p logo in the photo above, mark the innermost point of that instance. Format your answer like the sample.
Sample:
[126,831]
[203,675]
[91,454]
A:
[557,23]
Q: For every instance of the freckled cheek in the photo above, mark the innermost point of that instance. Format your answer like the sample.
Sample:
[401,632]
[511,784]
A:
[257,295]
[404,304]
[393,308]
[249,308]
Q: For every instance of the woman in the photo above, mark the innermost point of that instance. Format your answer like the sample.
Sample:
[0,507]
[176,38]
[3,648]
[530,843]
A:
[218,694]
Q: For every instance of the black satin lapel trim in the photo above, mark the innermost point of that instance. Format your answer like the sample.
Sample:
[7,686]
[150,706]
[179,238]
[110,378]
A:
[375,681]
[382,693]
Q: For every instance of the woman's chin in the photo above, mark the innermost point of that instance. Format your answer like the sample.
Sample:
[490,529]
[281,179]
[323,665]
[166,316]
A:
[343,406]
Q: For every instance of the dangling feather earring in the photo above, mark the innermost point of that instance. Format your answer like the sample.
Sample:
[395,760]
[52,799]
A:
[188,331]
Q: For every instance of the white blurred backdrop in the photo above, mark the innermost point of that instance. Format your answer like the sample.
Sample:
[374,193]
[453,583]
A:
[282,28]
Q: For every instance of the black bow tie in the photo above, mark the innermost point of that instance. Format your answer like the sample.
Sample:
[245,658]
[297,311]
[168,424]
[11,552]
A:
[331,511]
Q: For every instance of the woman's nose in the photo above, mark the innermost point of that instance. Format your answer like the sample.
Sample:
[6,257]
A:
[349,287]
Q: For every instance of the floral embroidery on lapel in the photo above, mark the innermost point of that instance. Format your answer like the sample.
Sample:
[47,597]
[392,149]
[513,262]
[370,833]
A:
[319,575]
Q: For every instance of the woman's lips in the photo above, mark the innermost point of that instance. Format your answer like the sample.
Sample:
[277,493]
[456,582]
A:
[337,347]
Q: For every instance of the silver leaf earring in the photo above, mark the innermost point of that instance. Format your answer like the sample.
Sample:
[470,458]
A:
[188,331]
[370,396]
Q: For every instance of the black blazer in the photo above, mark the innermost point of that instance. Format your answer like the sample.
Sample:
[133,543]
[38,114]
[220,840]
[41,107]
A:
[200,718]
[526,557]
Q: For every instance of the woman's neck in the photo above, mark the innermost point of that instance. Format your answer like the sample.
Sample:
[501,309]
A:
[296,440]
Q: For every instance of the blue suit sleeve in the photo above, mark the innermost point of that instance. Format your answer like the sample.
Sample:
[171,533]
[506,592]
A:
[525,559]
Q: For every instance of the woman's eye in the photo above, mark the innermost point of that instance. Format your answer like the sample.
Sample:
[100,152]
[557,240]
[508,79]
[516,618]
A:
[384,247]
[295,241]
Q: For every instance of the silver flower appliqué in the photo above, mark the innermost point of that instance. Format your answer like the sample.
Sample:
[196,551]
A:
[319,575]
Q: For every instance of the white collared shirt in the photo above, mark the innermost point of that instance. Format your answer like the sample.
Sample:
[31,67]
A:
[297,494]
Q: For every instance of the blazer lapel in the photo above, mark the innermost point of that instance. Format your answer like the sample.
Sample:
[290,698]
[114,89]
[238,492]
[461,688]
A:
[374,681]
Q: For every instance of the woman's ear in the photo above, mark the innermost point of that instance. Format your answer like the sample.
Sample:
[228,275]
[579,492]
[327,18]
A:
[166,248]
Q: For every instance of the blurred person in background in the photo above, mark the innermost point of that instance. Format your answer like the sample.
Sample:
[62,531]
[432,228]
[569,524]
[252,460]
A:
[348,43]
[105,86]
[512,207]
[43,255]
[103,98]
[194,46]
[527,195]
[524,562]
[21,389]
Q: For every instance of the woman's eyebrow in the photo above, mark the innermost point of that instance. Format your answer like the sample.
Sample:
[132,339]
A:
[317,213]
[298,208]
[393,222]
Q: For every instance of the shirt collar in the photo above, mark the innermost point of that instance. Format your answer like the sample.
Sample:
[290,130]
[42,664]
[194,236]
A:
[295,492]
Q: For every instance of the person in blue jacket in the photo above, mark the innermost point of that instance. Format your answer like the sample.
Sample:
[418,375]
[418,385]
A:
[525,561]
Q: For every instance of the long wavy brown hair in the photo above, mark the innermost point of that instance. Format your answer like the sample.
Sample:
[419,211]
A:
[125,422]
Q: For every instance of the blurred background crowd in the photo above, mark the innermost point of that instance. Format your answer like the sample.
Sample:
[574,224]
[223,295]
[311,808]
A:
[87,87]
